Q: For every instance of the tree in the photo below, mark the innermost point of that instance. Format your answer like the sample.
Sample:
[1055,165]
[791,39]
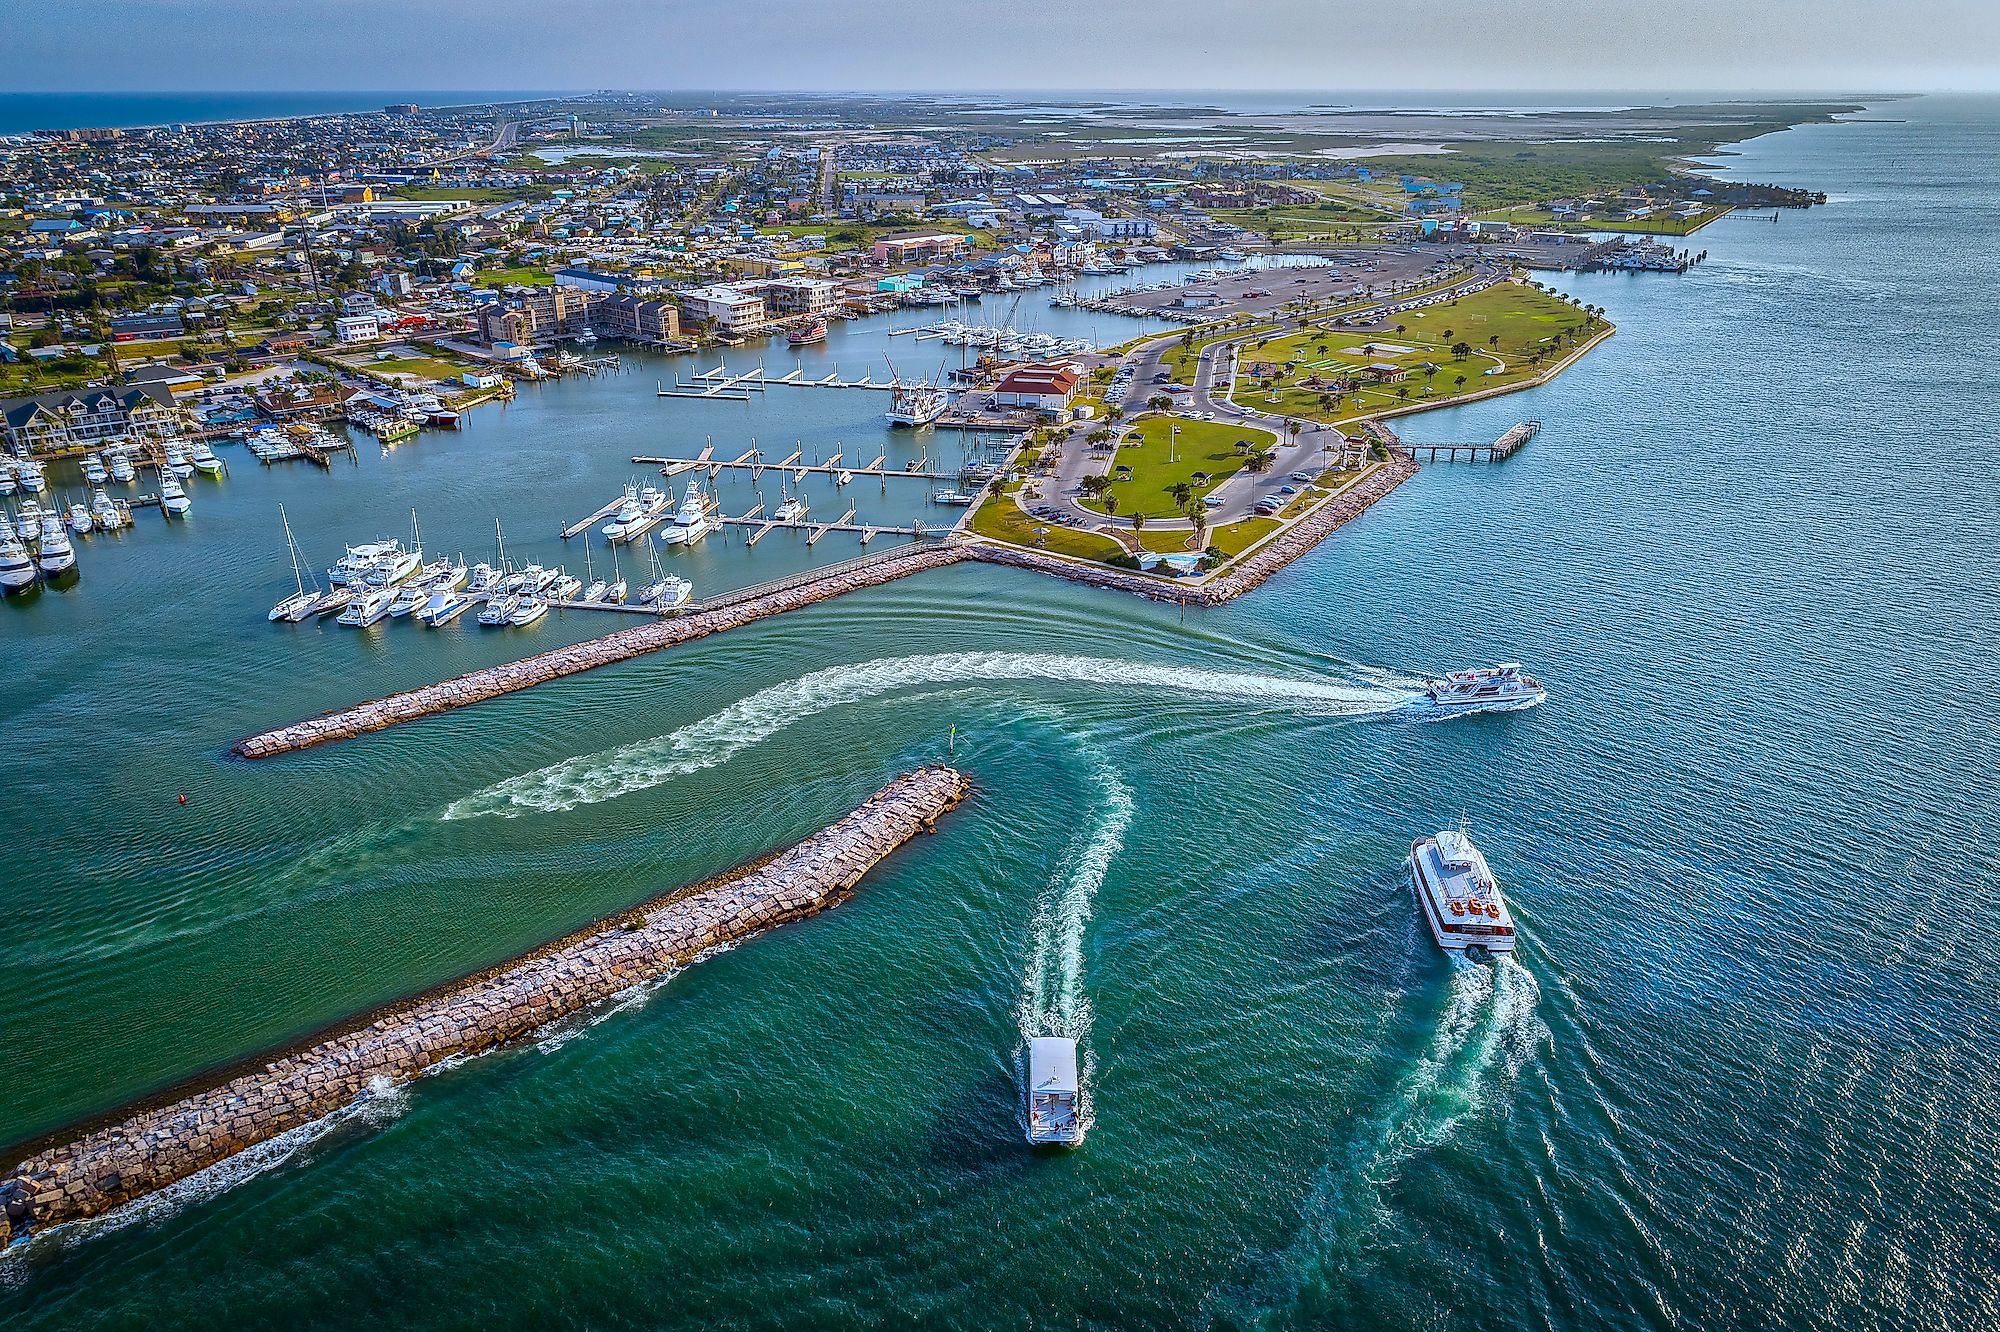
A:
[1114,413]
[1493,341]
[1461,350]
[1181,493]
[1447,335]
[1138,522]
[1460,381]
[1110,504]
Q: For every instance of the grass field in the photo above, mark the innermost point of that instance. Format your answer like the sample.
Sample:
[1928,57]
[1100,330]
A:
[999,517]
[1203,446]
[514,277]
[426,366]
[1507,326]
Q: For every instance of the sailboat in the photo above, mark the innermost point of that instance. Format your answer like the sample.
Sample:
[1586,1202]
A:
[594,587]
[301,603]
[666,591]
[615,594]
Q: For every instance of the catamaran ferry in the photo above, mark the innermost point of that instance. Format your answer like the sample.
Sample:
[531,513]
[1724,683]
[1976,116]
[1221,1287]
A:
[1052,1092]
[1501,688]
[1461,901]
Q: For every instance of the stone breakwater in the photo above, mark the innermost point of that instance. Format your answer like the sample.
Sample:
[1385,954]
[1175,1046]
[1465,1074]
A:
[1240,577]
[625,644]
[92,1173]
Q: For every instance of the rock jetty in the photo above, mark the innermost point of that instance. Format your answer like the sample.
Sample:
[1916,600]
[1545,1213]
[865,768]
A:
[96,1170]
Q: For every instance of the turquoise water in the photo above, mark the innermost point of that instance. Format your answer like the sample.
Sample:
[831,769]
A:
[1737,1076]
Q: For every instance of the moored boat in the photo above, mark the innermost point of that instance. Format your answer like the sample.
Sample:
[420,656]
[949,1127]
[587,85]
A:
[368,605]
[1460,898]
[811,333]
[173,499]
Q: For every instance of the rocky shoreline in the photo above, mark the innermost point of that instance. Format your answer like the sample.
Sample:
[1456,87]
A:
[95,1171]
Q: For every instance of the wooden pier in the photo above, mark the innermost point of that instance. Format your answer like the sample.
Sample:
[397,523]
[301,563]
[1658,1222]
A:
[583,524]
[1499,450]
[799,470]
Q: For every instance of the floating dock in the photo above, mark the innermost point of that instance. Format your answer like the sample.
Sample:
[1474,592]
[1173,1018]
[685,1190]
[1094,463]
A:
[85,1173]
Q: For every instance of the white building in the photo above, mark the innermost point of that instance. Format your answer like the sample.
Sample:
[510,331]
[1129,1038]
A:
[730,309]
[357,328]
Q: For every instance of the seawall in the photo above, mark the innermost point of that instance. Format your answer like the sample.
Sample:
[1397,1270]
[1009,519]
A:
[91,1172]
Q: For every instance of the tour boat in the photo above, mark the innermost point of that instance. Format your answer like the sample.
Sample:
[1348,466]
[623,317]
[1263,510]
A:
[173,499]
[93,470]
[368,606]
[204,459]
[807,336]
[498,610]
[443,607]
[1460,899]
[1053,1110]
[56,554]
[16,569]
[1501,688]
[691,521]
[917,405]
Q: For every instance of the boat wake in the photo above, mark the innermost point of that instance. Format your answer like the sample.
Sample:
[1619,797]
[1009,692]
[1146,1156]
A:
[1486,1033]
[380,1103]
[1053,999]
[608,774]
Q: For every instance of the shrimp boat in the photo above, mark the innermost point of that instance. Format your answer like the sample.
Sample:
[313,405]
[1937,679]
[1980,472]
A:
[1460,898]
[1053,1111]
[301,603]
[1501,688]
[917,405]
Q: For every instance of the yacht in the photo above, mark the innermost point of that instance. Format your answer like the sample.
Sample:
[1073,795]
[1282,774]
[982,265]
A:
[691,521]
[527,610]
[368,606]
[104,511]
[482,579]
[1501,688]
[16,569]
[1053,1110]
[336,599]
[408,597]
[204,459]
[122,470]
[666,593]
[917,405]
[79,517]
[536,579]
[173,500]
[7,483]
[56,554]
[641,511]
[394,567]
[627,513]
[565,586]
[594,587]
[498,610]
[29,521]
[93,470]
[361,560]
[176,462]
[793,510]
[1461,901]
[443,607]
[30,475]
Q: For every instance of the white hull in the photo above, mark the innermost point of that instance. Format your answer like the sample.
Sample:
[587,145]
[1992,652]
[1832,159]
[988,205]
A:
[686,535]
[1458,920]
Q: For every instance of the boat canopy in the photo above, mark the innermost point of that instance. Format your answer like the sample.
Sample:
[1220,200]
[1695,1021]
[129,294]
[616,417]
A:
[1052,1064]
[1455,849]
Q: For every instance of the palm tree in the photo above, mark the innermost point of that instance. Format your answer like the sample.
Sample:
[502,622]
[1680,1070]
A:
[1181,493]
[1138,522]
[1493,341]
[1110,504]
[1460,381]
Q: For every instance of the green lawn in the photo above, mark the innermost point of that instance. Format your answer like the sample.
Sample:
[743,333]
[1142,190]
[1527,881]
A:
[1180,362]
[999,517]
[1526,322]
[514,277]
[1203,446]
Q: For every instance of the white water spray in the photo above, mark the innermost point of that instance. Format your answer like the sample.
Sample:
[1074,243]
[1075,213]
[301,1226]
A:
[606,775]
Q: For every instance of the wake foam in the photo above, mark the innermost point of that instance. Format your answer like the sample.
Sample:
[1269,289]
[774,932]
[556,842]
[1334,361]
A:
[608,774]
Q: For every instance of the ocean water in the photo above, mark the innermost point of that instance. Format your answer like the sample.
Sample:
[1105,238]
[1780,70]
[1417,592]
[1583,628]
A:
[1737,1076]
[23,112]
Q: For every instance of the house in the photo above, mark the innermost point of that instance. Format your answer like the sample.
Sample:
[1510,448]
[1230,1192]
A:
[1384,372]
[1047,388]
[357,328]
[85,417]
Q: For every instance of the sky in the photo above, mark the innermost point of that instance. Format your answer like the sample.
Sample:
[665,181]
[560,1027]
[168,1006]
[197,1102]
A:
[860,45]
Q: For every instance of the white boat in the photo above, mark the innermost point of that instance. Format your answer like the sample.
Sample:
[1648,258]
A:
[666,593]
[93,470]
[844,477]
[8,485]
[482,579]
[793,510]
[1458,894]
[443,608]
[104,511]
[393,568]
[408,597]
[16,569]
[691,521]
[122,469]
[56,554]
[204,460]
[627,513]
[917,405]
[498,610]
[368,605]
[336,599]
[173,500]
[356,564]
[535,578]
[176,462]
[1053,1110]
[565,587]
[79,517]
[1501,688]
[594,591]
[448,575]
[29,473]
[616,593]
[527,610]
[28,524]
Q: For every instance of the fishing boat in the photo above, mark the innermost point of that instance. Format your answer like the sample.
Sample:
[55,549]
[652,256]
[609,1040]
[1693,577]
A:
[79,518]
[627,513]
[29,522]
[536,579]
[665,591]
[1460,899]
[176,461]
[443,607]
[204,460]
[301,603]
[122,470]
[498,610]
[17,571]
[1501,688]
[1053,1109]
[93,470]
[917,405]
[482,579]
[527,610]
[104,511]
[565,587]
[355,565]
[369,605]
[808,335]
[29,473]
[173,500]
[691,521]
[408,597]
[56,554]
[793,510]
[641,511]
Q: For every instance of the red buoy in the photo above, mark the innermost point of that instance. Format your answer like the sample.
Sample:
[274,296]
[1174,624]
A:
[184,799]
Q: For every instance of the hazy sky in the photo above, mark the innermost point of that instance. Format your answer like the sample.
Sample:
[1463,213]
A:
[1829,45]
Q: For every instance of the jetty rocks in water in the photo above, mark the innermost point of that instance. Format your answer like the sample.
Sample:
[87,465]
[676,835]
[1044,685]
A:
[101,1168]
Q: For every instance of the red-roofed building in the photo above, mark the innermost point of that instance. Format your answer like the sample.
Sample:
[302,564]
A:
[1048,388]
